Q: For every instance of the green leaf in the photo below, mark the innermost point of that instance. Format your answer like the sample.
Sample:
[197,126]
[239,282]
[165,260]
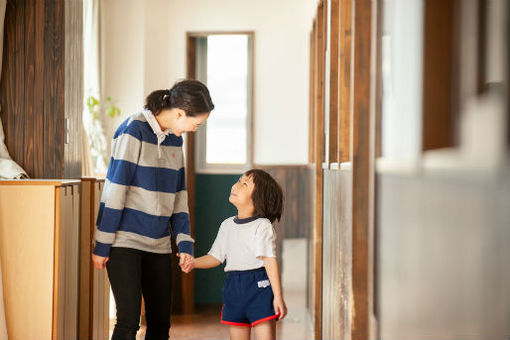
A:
[111,111]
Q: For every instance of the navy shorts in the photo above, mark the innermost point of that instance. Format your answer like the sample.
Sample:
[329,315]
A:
[247,298]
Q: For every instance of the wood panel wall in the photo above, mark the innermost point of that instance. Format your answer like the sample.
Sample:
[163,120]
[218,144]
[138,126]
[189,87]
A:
[438,58]
[319,159]
[297,217]
[440,231]
[41,86]
[312,158]
[342,249]
[345,96]
[94,298]
[311,98]
[337,312]
[73,88]
[365,242]
[188,280]
[362,169]
[334,80]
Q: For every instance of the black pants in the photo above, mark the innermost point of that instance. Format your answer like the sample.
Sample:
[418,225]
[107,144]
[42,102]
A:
[133,273]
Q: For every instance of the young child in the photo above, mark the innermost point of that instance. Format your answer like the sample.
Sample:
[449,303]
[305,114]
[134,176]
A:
[252,292]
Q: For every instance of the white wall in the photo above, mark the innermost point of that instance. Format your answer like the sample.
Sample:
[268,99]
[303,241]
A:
[144,49]
[122,57]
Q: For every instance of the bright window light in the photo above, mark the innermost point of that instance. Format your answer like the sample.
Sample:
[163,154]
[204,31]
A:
[227,79]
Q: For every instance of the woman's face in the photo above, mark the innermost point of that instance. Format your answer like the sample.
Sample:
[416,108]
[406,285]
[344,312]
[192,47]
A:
[185,123]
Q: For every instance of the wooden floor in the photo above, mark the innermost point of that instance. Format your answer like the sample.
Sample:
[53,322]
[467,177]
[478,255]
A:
[206,323]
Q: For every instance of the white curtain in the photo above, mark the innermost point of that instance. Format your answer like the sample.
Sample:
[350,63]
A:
[94,140]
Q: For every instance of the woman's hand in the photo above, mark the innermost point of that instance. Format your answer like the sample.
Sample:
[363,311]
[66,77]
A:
[186,262]
[279,307]
[99,261]
[188,266]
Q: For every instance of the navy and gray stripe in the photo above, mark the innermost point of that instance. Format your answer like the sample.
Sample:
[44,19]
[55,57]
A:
[144,198]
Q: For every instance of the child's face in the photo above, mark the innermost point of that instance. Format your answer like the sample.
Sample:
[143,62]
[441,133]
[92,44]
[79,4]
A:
[240,194]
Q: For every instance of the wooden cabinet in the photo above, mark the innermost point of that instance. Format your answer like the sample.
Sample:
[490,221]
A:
[94,286]
[39,243]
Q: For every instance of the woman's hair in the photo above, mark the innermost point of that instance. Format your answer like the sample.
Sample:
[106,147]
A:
[190,95]
[267,195]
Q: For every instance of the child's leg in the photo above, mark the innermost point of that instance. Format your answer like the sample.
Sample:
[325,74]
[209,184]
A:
[265,330]
[239,332]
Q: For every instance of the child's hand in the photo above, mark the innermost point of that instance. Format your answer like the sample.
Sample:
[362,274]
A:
[186,262]
[279,307]
[188,266]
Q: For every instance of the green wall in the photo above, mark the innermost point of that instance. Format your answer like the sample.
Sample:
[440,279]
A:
[212,207]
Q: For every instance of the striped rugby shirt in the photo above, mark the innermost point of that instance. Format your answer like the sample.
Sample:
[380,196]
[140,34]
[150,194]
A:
[144,197]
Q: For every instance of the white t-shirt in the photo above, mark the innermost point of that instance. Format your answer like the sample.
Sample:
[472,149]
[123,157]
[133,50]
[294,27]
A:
[242,243]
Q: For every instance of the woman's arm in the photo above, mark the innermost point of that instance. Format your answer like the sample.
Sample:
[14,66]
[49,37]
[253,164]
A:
[273,273]
[125,156]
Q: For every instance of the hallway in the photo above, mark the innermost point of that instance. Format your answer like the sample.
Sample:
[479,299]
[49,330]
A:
[385,122]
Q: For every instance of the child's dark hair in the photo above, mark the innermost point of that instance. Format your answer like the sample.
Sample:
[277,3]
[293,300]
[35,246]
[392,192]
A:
[267,195]
[190,95]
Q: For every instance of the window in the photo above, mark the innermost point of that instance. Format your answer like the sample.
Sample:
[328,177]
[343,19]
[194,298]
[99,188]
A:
[223,62]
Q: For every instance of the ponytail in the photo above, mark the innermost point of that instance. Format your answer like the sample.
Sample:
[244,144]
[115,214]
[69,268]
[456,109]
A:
[191,96]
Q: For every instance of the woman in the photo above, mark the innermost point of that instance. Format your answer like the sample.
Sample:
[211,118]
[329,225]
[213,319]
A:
[144,201]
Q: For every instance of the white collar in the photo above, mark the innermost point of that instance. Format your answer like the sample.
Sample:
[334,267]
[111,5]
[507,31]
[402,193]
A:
[151,119]
[160,134]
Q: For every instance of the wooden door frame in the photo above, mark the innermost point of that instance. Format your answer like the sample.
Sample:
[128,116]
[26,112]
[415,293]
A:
[363,151]
[345,86]
[191,74]
[321,40]
[334,83]
[188,281]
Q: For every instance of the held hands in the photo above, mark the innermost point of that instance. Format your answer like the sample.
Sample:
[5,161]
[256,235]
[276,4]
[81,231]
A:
[279,307]
[186,262]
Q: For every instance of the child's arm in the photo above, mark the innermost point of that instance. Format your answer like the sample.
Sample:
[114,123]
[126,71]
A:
[273,273]
[208,261]
[205,262]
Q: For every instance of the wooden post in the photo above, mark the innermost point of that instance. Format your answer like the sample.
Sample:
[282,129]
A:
[362,158]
